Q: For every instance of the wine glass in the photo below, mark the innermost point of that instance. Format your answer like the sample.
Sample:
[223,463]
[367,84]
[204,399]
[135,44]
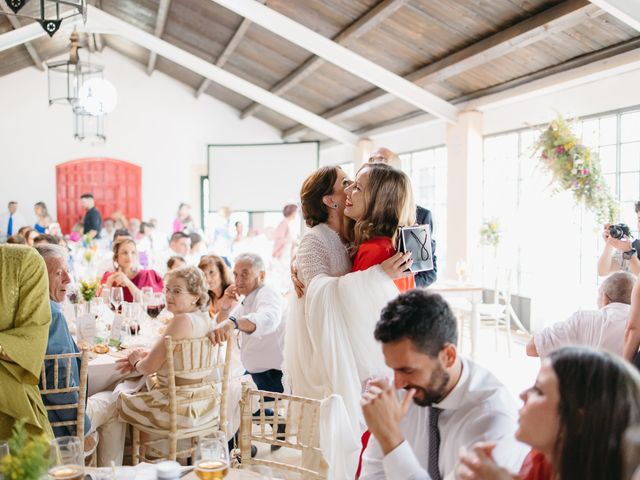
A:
[66,459]
[156,305]
[117,297]
[461,270]
[128,312]
[212,457]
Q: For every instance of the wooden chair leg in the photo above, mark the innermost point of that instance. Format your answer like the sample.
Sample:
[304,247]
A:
[135,446]
[173,446]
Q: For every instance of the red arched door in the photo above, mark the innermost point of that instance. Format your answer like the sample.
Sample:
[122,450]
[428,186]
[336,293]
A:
[116,186]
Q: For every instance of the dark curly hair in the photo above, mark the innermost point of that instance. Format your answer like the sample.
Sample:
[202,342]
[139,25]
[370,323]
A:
[424,318]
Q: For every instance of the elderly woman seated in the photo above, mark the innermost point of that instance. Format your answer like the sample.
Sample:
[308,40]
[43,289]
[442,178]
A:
[187,299]
[100,412]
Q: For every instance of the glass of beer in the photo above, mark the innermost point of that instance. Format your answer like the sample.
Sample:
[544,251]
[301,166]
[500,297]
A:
[212,457]
[66,459]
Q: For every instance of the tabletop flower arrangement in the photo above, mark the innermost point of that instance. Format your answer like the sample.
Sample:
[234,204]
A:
[88,289]
[28,457]
[490,233]
[576,168]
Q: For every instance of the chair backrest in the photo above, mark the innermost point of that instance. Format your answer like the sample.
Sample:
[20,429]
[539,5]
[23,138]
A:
[300,411]
[60,366]
[185,358]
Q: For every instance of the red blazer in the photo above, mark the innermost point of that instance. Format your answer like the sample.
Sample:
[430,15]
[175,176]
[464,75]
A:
[375,251]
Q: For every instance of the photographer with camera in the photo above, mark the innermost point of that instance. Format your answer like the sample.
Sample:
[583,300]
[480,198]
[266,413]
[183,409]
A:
[620,252]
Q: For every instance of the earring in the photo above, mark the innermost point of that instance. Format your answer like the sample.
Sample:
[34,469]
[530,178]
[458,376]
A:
[335,205]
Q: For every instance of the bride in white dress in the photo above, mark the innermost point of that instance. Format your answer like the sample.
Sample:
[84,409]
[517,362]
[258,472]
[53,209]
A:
[329,342]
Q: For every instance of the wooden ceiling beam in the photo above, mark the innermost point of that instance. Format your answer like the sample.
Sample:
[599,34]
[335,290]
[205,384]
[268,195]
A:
[161,21]
[220,76]
[15,23]
[366,22]
[226,53]
[533,29]
[627,11]
[613,60]
[338,55]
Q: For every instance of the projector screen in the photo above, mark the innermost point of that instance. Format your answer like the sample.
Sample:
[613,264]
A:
[259,177]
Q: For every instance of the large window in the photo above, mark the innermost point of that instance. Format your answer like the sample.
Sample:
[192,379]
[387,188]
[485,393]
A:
[428,172]
[551,245]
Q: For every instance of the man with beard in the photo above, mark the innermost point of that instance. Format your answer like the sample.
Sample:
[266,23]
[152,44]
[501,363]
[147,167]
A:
[439,402]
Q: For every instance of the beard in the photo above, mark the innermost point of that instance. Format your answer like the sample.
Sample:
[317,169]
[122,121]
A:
[435,391]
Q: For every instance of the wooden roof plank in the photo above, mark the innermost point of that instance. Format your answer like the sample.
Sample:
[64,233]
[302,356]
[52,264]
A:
[368,21]
[628,12]
[526,32]
[161,21]
[218,75]
[344,58]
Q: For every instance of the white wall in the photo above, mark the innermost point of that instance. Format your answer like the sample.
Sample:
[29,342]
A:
[158,124]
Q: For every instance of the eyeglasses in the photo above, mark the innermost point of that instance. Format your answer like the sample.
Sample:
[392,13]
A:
[173,291]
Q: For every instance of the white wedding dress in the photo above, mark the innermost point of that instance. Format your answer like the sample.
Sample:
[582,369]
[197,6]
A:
[329,344]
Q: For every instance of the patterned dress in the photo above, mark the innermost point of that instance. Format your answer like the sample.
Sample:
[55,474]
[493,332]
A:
[151,408]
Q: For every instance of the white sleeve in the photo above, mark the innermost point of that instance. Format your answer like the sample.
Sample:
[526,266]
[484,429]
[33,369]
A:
[268,313]
[312,258]
[399,464]
[558,335]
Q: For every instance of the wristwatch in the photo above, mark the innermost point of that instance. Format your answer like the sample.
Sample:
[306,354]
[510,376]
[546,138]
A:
[629,254]
[234,320]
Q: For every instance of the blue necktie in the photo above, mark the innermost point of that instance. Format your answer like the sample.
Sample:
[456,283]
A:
[434,443]
[10,226]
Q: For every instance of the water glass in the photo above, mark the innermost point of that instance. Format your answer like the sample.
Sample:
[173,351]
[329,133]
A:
[212,457]
[66,459]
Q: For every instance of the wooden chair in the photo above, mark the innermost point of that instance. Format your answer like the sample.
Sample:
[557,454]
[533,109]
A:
[300,411]
[200,355]
[500,312]
[61,365]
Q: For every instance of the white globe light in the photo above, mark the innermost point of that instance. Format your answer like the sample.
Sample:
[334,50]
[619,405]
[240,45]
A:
[98,96]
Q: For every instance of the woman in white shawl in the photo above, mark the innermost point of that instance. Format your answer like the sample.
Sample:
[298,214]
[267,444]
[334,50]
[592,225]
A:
[329,343]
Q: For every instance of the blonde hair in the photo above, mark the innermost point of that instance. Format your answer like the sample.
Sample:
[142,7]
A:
[196,284]
[389,204]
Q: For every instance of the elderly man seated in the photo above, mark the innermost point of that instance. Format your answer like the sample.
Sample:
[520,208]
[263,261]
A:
[603,328]
[101,410]
[258,318]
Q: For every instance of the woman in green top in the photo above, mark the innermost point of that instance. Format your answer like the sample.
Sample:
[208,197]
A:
[25,315]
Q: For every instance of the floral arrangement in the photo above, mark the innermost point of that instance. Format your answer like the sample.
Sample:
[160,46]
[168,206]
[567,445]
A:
[28,457]
[89,289]
[490,233]
[575,167]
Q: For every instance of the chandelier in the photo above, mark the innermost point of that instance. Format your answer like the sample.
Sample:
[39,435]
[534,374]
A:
[80,84]
[52,24]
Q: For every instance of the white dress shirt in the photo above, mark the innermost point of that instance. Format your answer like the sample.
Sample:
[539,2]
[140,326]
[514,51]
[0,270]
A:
[603,329]
[479,408]
[262,349]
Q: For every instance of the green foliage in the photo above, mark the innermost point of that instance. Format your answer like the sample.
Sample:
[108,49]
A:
[88,289]
[29,455]
[490,233]
[575,167]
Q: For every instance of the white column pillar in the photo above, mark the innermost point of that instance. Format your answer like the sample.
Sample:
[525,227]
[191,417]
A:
[362,153]
[464,191]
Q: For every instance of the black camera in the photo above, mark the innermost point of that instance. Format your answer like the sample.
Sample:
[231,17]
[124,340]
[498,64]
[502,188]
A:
[618,231]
